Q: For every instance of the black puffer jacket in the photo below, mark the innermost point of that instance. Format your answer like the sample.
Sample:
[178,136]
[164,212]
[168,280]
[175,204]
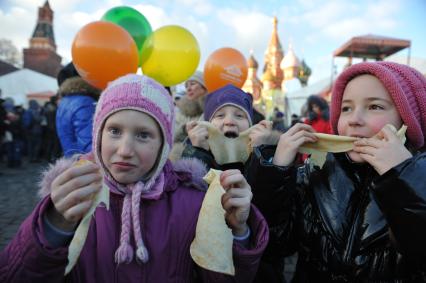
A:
[347,223]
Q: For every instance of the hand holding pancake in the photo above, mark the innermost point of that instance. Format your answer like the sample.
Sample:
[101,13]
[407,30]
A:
[385,150]
[198,134]
[72,194]
[260,133]
[88,192]
[236,200]
[290,141]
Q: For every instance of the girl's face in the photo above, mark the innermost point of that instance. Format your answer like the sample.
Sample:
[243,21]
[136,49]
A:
[131,143]
[194,90]
[366,108]
[230,120]
[316,109]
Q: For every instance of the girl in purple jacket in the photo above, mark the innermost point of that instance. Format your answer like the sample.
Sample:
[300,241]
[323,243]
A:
[154,205]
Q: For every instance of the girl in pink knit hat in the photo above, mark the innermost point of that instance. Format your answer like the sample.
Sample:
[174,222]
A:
[146,233]
[361,217]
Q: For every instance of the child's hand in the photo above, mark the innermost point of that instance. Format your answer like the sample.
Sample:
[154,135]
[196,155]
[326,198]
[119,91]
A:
[383,151]
[290,142]
[72,195]
[236,200]
[198,134]
[261,133]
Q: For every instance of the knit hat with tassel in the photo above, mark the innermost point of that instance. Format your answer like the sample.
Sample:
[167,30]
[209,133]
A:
[140,93]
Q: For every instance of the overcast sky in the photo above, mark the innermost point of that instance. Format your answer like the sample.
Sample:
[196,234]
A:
[314,27]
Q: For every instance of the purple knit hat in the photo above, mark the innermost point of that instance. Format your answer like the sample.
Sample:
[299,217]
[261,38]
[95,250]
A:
[406,86]
[140,93]
[228,95]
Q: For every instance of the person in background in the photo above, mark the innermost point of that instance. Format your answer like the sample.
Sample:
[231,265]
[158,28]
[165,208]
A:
[74,116]
[318,115]
[52,146]
[32,118]
[190,107]
[278,121]
[3,128]
[294,120]
[15,132]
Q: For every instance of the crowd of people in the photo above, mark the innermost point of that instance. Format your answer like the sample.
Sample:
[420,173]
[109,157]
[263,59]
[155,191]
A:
[24,131]
[360,217]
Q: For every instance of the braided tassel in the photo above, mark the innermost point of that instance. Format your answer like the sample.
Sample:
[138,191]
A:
[124,253]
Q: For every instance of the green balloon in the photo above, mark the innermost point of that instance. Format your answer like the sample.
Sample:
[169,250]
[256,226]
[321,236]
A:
[131,20]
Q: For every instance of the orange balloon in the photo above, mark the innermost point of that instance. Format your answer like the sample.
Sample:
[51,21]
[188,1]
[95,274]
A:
[225,66]
[103,51]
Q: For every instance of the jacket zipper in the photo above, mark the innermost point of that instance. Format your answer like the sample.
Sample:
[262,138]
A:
[349,249]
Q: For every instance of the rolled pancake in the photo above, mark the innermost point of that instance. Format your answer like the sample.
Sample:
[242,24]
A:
[334,143]
[212,245]
[228,150]
[80,234]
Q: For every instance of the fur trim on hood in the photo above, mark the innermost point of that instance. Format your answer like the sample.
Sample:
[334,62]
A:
[78,85]
[190,172]
[195,169]
[53,171]
[176,152]
[191,108]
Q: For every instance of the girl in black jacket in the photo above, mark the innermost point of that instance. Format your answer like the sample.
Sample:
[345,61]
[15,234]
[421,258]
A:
[362,216]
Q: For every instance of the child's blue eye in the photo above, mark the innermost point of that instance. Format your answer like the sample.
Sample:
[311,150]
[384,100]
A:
[143,135]
[219,116]
[114,131]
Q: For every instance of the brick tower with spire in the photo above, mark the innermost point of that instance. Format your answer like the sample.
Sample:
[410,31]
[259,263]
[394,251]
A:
[41,56]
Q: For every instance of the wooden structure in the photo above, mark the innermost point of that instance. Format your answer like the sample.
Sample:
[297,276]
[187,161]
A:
[372,47]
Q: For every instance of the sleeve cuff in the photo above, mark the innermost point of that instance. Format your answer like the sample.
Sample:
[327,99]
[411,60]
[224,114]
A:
[55,236]
[244,240]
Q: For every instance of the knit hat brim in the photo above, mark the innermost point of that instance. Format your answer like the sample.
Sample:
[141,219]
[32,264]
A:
[237,106]
[198,77]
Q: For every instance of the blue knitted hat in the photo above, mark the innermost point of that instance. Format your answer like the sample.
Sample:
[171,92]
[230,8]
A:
[228,95]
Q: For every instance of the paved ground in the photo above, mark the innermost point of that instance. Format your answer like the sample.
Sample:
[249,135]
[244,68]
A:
[18,196]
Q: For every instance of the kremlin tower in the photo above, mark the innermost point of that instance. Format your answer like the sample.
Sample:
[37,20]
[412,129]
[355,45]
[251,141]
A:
[281,74]
[41,56]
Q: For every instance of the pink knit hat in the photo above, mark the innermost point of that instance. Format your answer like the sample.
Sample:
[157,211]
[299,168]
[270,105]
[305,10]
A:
[140,93]
[406,86]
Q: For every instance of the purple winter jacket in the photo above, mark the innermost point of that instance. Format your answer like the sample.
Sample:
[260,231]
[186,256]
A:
[168,226]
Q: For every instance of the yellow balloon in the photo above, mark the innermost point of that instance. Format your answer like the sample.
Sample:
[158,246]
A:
[170,55]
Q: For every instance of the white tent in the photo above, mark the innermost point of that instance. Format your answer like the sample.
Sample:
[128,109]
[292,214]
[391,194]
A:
[23,82]
[297,98]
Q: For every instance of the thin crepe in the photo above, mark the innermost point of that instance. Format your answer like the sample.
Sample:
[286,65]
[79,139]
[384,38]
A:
[212,245]
[334,143]
[228,150]
[80,234]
